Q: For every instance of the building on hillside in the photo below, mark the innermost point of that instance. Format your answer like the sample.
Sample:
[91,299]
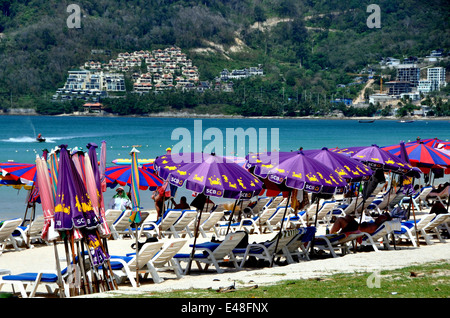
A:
[346,101]
[435,80]
[399,87]
[408,73]
[225,75]
[382,99]
[437,74]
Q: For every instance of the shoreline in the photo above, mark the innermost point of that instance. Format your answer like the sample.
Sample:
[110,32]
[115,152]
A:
[223,116]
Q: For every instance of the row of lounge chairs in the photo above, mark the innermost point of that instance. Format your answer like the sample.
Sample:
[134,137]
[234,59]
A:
[293,244]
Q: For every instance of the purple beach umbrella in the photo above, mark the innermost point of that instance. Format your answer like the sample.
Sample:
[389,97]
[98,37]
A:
[209,175]
[297,171]
[347,167]
[212,175]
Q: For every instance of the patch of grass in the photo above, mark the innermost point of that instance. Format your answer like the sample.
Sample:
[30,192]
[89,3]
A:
[424,281]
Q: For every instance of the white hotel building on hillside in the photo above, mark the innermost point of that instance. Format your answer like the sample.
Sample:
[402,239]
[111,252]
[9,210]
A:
[435,80]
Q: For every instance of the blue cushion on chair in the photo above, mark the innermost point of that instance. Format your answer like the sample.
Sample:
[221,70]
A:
[31,277]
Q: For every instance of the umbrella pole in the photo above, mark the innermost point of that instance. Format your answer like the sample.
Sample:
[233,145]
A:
[72,246]
[281,230]
[86,277]
[58,269]
[137,257]
[113,284]
[69,266]
[357,196]
[188,268]
[33,212]
[311,250]
[231,217]
[84,284]
[414,215]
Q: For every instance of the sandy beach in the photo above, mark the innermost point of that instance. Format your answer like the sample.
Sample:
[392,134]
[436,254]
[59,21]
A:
[42,257]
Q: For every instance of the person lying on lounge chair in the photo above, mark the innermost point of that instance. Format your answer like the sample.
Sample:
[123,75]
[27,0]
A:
[349,224]
[344,224]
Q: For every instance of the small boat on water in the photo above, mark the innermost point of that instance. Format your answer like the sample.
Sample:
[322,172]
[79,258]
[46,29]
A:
[405,121]
[366,121]
[39,138]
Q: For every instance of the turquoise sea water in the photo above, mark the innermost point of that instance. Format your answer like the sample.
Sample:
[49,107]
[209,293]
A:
[154,135]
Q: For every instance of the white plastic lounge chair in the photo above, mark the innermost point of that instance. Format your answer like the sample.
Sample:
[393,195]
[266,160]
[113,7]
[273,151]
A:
[274,202]
[408,230]
[381,201]
[161,226]
[163,260]
[22,281]
[121,226]
[438,196]
[6,238]
[180,227]
[324,214]
[260,223]
[260,205]
[347,208]
[432,228]
[125,266]
[214,253]
[363,205]
[299,246]
[203,218]
[381,235]
[338,241]
[418,199]
[266,250]
[210,223]
[32,231]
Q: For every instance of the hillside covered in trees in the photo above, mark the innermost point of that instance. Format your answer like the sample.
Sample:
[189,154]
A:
[306,48]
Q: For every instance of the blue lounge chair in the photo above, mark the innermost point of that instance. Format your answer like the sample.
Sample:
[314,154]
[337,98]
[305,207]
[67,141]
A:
[213,253]
[418,199]
[125,266]
[22,281]
[338,241]
[408,229]
[161,226]
[266,250]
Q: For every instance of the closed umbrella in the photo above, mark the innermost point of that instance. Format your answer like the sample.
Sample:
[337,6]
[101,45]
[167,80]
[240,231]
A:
[135,200]
[48,209]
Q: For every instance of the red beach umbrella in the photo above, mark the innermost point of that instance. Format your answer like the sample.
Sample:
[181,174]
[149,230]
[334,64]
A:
[122,175]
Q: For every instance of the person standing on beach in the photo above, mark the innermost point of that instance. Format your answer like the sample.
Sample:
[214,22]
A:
[120,200]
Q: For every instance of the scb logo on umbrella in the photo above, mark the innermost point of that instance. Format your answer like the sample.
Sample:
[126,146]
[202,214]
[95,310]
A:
[213,192]
[312,188]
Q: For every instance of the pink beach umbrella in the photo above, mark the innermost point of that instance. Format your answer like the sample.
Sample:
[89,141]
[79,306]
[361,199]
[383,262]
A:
[45,191]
